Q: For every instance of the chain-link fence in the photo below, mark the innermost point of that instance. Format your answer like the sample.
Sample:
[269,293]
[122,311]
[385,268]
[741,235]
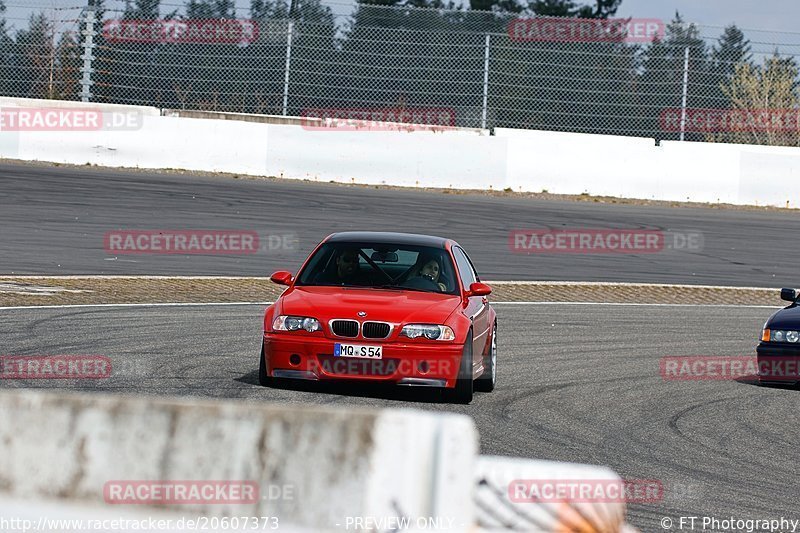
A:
[490,69]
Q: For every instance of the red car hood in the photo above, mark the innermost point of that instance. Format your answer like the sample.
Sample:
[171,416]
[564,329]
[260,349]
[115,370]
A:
[325,303]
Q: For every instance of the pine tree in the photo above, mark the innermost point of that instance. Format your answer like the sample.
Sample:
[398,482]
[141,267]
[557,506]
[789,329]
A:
[37,57]
[553,8]
[141,9]
[660,87]
[99,9]
[8,57]
[731,49]
[210,9]
[602,9]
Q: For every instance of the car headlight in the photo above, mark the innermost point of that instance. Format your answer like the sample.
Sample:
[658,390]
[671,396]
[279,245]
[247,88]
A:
[429,331]
[296,323]
[779,335]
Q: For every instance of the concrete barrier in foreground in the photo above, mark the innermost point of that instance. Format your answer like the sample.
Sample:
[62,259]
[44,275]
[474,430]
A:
[72,462]
[546,496]
[309,467]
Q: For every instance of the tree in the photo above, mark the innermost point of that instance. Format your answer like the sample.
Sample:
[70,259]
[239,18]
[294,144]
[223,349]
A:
[661,82]
[8,56]
[761,99]
[732,49]
[210,9]
[268,9]
[602,9]
[66,78]
[99,9]
[141,10]
[502,6]
[564,84]
[37,58]
[3,29]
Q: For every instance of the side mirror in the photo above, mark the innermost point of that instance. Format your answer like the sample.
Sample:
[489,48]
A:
[790,295]
[479,289]
[281,277]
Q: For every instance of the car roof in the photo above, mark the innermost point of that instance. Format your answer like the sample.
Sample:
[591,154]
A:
[388,237]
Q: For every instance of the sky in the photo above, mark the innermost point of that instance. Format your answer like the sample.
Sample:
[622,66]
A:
[773,15]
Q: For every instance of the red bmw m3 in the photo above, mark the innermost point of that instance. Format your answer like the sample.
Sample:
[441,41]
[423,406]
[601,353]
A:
[383,307]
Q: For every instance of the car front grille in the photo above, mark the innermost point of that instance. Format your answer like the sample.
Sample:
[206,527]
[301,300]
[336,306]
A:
[375,330]
[344,328]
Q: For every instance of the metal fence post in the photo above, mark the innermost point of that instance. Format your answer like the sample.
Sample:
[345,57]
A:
[485,80]
[685,91]
[90,17]
[288,66]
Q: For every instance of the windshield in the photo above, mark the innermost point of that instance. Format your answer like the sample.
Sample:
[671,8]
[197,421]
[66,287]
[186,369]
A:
[385,266]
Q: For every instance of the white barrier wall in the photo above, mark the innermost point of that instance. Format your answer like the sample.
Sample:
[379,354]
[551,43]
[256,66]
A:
[314,466]
[317,468]
[522,160]
[498,479]
[452,159]
[632,167]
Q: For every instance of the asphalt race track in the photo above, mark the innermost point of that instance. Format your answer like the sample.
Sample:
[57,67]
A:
[54,219]
[576,383]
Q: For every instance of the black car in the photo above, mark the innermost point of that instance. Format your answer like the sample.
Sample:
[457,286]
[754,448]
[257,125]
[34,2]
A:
[779,349]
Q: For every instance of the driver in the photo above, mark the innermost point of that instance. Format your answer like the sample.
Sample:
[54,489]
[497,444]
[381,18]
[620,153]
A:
[346,271]
[431,269]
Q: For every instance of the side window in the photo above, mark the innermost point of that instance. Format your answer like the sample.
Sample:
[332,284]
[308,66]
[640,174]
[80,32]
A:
[465,270]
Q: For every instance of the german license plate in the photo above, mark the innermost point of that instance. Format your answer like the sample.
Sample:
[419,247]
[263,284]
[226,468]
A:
[360,351]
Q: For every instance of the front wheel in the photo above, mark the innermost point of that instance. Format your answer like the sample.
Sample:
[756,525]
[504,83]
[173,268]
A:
[488,379]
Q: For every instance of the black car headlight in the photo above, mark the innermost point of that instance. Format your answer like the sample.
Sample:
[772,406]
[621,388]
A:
[780,335]
[296,323]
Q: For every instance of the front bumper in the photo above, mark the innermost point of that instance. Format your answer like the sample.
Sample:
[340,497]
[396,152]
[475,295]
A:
[424,364]
[778,363]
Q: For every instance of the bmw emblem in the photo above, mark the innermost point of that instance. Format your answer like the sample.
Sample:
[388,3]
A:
[362,313]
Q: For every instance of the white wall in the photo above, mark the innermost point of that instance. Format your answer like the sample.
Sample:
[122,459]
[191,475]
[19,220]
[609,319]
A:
[337,462]
[60,449]
[523,160]
[632,167]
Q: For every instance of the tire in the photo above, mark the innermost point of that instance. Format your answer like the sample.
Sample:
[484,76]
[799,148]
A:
[462,393]
[263,379]
[488,380]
